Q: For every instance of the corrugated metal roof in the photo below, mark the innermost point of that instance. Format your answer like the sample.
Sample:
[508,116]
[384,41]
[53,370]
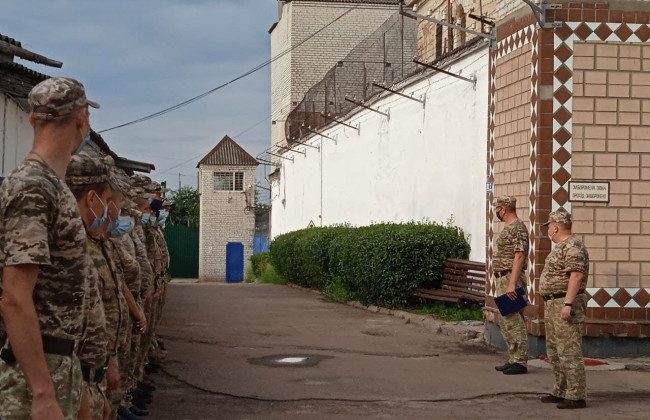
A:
[10,40]
[17,80]
[228,153]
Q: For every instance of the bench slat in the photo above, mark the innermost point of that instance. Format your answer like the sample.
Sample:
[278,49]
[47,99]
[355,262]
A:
[462,280]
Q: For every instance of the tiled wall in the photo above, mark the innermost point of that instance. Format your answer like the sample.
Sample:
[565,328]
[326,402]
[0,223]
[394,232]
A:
[611,130]
[589,120]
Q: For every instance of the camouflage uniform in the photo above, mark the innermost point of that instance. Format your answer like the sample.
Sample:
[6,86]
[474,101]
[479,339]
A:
[513,238]
[155,255]
[40,224]
[93,354]
[113,298]
[124,251]
[564,338]
[148,280]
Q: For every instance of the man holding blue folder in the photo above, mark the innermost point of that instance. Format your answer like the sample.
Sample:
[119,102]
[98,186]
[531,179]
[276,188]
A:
[510,263]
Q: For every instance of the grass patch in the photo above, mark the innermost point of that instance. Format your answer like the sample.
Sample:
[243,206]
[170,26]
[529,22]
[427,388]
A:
[337,291]
[269,275]
[450,311]
[250,275]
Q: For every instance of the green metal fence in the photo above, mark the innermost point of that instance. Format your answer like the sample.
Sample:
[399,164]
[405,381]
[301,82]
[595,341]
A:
[183,245]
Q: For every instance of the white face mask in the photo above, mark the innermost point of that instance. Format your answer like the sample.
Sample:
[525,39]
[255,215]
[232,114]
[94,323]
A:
[550,235]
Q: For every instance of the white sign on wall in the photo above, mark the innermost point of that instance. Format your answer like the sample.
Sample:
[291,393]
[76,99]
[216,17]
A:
[589,191]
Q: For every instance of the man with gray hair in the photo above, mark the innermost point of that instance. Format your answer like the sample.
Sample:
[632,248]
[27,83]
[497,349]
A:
[510,261]
[44,280]
[562,285]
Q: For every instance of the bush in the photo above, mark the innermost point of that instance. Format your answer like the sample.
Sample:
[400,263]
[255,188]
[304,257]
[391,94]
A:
[380,264]
[270,276]
[259,262]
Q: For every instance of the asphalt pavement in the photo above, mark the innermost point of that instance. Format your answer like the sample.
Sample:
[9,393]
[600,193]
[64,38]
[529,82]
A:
[258,351]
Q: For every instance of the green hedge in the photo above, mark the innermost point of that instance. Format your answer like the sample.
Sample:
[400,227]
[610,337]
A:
[380,264]
[259,262]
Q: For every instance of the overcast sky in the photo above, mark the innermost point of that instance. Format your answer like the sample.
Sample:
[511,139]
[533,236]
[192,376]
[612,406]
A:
[139,57]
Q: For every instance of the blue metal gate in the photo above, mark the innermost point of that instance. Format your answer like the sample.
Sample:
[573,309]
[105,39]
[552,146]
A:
[234,262]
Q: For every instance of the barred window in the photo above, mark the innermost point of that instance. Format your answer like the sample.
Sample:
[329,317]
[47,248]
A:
[239,181]
[228,181]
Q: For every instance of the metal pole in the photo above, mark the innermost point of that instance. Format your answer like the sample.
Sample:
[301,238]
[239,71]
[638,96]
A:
[291,150]
[385,114]
[473,81]
[280,156]
[398,93]
[320,134]
[326,116]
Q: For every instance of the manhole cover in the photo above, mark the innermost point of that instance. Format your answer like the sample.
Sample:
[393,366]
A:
[288,360]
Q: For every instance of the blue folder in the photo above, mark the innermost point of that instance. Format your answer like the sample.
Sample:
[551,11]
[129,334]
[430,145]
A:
[507,306]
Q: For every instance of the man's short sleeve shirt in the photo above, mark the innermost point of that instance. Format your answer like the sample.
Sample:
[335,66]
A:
[40,224]
[570,255]
[513,238]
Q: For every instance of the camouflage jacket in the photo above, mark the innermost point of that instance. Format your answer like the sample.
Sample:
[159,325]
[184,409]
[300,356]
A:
[146,272]
[112,294]
[128,264]
[154,253]
[40,224]
[513,238]
[94,345]
[163,248]
[570,255]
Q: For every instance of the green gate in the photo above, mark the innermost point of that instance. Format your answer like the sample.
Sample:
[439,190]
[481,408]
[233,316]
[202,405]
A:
[183,245]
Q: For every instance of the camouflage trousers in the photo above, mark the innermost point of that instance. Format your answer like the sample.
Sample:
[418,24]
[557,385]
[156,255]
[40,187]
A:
[513,326]
[96,399]
[145,340]
[564,348]
[16,395]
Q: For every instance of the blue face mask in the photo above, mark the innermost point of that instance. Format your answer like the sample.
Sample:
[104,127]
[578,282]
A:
[152,220]
[144,219]
[83,143]
[162,216]
[124,226]
[99,221]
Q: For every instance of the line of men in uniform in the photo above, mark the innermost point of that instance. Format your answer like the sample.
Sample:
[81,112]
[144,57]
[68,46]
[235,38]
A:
[562,286]
[84,273]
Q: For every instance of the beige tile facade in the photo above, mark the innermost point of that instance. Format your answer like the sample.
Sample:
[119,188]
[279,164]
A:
[512,129]
[611,132]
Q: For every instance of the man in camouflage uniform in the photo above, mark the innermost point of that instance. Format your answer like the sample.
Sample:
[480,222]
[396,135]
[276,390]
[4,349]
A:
[45,271]
[88,182]
[510,262]
[562,285]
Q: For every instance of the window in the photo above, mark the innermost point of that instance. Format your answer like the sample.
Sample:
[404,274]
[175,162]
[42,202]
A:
[228,181]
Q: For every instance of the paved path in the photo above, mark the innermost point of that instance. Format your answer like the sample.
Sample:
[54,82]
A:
[224,341]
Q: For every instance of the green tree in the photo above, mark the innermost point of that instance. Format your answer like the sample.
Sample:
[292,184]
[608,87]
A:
[186,207]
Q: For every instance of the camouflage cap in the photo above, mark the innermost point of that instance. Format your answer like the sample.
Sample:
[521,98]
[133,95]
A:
[56,97]
[560,216]
[504,201]
[118,179]
[134,212]
[140,181]
[86,170]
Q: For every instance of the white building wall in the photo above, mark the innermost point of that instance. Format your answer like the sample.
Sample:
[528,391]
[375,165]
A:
[16,135]
[425,163]
[223,220]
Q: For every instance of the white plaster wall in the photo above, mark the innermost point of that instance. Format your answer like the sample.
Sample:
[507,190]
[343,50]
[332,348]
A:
[423,163]
[16,135]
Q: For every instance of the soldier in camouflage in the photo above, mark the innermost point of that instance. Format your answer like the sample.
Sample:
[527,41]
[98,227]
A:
[510,263]
[562,285]
[87,179]
[45,271]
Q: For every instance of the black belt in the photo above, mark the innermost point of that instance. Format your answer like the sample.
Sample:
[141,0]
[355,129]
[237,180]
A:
[92,374]
[502,273]
[557,296]
[51,345]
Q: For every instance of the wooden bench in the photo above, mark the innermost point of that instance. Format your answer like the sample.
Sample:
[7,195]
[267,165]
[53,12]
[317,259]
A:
[462,281]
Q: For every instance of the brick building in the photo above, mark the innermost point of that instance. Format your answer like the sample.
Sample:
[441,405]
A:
[227,222]
[570,110]
[310,37]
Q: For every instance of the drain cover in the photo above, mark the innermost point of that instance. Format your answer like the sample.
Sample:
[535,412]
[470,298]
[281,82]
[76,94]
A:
[288,360]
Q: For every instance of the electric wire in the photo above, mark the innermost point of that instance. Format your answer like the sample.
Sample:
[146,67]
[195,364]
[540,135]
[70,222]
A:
[248,73]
